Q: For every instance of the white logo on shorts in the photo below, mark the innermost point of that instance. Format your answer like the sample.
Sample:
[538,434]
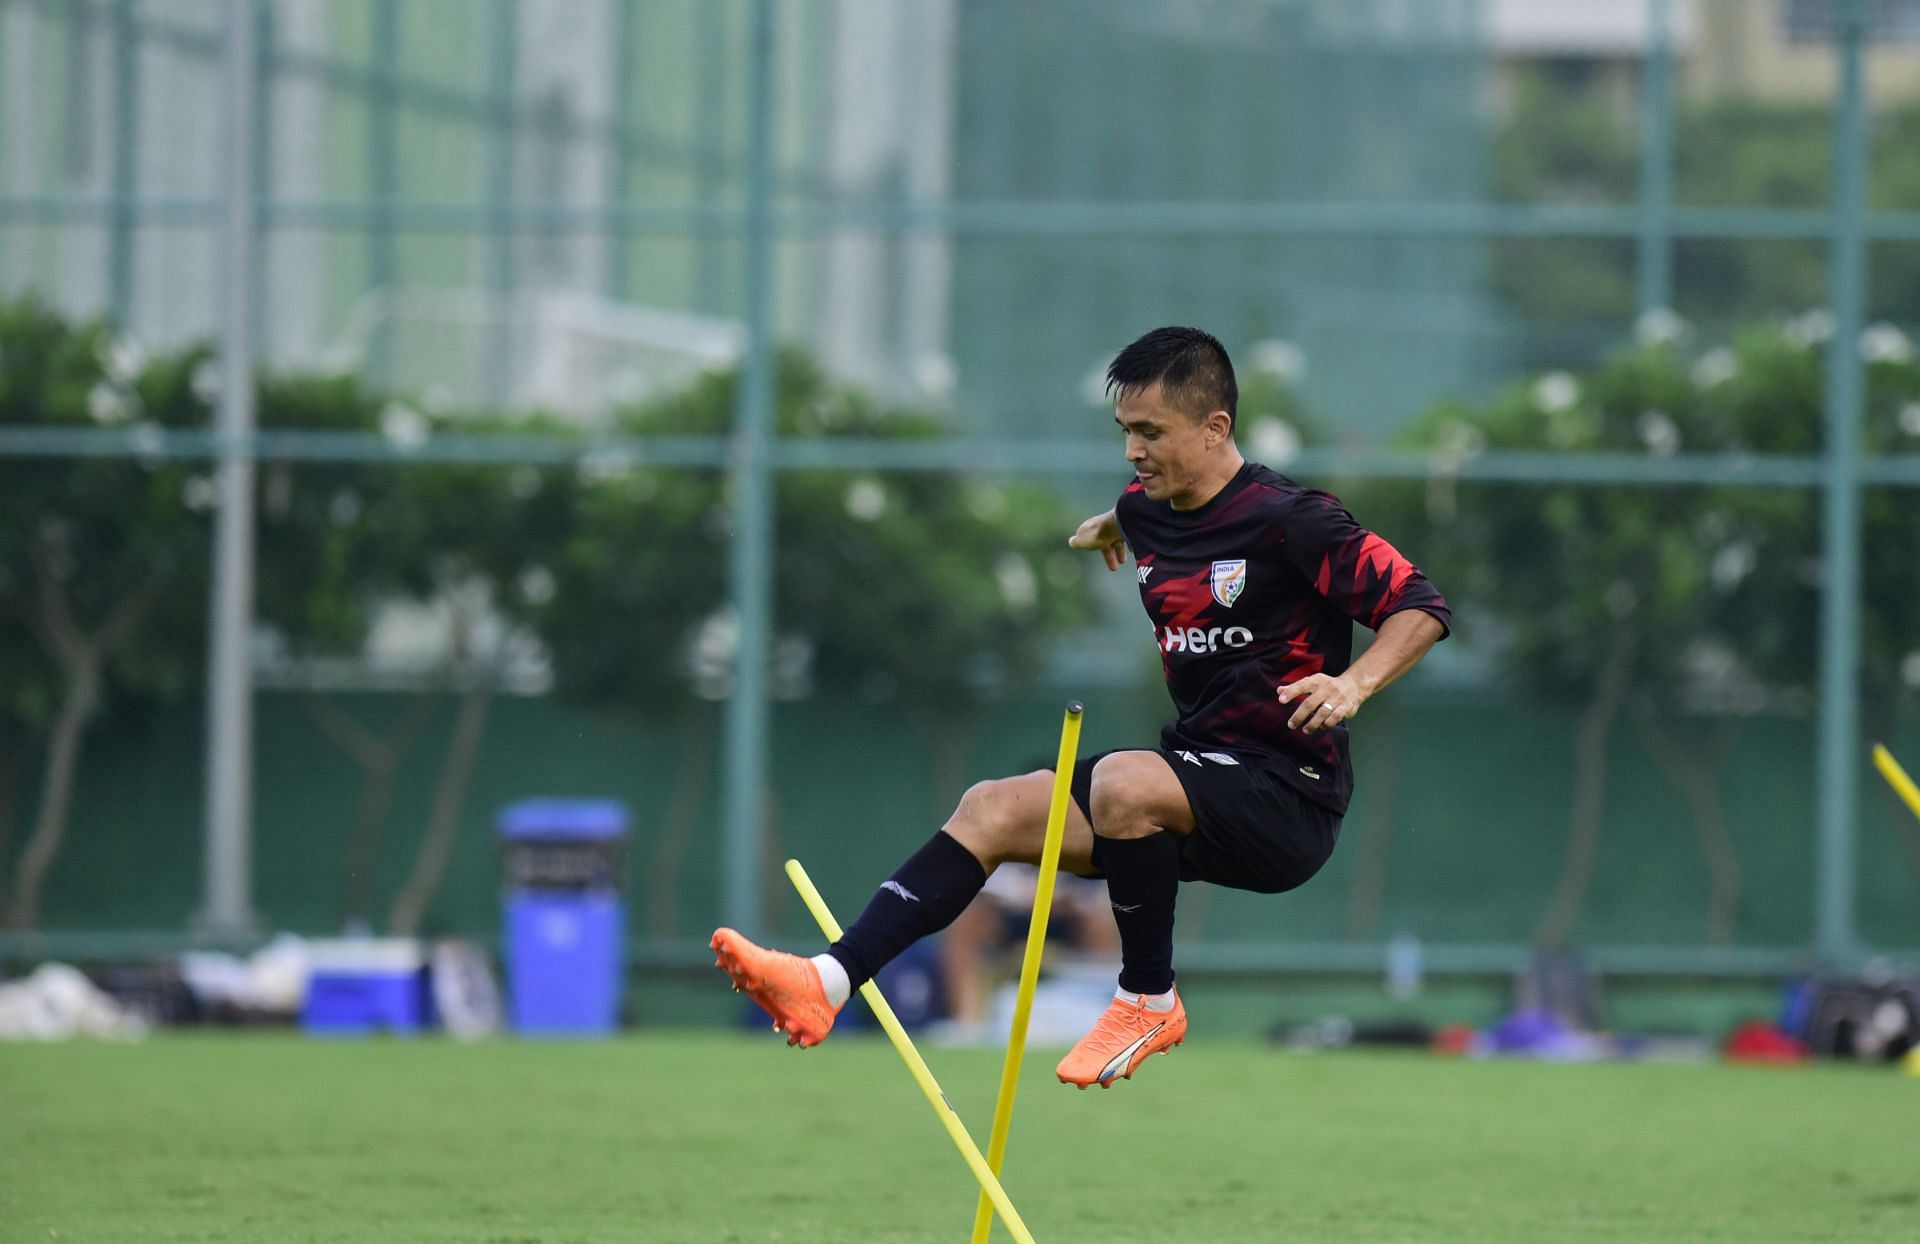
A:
[1219,758]
[1310,771]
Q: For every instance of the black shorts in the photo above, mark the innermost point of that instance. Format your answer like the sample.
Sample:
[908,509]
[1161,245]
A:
[1252,831]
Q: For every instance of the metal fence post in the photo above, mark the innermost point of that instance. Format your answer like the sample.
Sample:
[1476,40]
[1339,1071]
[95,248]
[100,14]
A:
[125,140]
[229,829]
[1656,162]
[1839,722]
[503,27]
[383,164]
[751,578]
[617,275]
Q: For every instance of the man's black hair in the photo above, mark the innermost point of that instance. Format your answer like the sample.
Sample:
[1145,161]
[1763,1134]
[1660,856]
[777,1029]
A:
[1192,367]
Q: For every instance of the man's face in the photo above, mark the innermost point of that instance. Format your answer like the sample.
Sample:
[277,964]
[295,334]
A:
[1167,448]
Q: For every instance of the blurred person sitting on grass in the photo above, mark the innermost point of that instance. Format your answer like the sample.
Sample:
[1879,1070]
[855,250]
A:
[981,943]
[1252,583]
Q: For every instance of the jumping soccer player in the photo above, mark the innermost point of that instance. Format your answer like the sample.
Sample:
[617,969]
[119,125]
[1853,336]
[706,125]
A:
[1252,583]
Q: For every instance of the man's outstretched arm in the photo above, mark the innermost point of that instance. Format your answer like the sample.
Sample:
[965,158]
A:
[1325,700]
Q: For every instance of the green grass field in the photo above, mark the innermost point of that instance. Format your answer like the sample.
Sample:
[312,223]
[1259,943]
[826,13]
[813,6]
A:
[722,1137]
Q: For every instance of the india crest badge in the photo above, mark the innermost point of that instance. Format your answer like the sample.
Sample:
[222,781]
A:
[1229,580]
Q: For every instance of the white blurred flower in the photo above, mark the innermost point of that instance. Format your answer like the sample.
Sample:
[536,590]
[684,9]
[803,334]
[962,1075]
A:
[1733,564]
[936,375]
[1460,439]
[207,381]
[866,499]
[1556,391]
[1093,387]
[986,502]
[1658,326]
[199,494]
[1910,418]
[344,508]
[108,404]
[1884,343]
[1715,367]
[1280,359]
[404,427]
[536,585]
[1811,328]
[791,667]
[600,464]
[1019,587]
[832,412]
[1910,670]
[1274,441]
[1710,662]
[148,439]
[710,655]
[123,359]
[1659,433]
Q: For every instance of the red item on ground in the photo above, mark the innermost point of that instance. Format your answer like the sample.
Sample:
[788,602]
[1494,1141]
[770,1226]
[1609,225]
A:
[1763,1043]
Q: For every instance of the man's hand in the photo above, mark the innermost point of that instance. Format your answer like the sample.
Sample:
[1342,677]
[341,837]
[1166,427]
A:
[1102,532]
[1324,701]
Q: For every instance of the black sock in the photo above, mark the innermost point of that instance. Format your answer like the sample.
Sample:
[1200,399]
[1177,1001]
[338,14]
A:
[1143,879]
[923,896]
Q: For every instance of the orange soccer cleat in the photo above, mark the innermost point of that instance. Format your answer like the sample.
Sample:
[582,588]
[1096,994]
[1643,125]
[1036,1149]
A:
[786,986]
[1121,1041]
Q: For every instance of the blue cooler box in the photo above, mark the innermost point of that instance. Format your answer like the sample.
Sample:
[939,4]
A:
[564,915]
[357,987]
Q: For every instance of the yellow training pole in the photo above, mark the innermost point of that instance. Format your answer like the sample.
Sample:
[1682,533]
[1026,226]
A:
[1896,777]
[989,1185]
[1030,966]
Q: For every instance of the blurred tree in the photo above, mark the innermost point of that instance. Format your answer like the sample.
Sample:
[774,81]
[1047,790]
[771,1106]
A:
[462,545]
[102,560]
[29,692]
[487,534]
[339,538]
[932,591]
[1687,607]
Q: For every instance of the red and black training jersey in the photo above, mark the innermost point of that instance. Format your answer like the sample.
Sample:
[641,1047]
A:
[1255,589]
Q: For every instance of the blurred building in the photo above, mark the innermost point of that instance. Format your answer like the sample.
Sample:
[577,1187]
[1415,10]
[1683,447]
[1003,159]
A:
[543,202]
[1783,50]
[1773,51]
[1594,48]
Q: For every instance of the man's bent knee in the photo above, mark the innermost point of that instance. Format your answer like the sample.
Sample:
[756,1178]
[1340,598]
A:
[1134,794]
[988,821]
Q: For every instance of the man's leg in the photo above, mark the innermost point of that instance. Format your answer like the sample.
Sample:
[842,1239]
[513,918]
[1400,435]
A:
[1140,813]
[996,821]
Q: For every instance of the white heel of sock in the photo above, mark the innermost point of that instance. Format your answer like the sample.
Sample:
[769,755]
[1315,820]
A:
[833,977]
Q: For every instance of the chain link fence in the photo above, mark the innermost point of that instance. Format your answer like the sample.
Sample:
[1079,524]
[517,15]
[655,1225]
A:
[1604,323]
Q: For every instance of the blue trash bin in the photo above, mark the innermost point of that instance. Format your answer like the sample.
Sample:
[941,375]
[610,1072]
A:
[565,915]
